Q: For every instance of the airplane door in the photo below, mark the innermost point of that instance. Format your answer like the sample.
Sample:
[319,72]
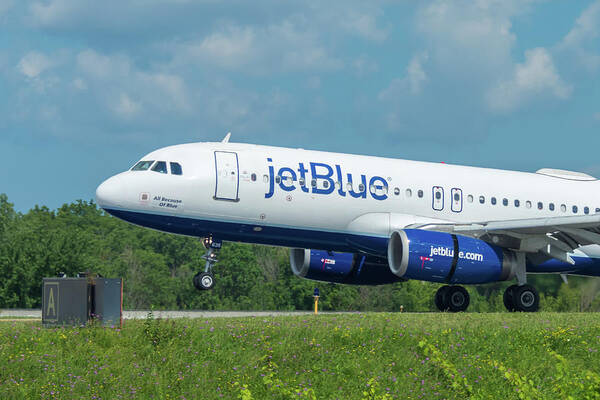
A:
[438,198]
[227,170]
[457,200]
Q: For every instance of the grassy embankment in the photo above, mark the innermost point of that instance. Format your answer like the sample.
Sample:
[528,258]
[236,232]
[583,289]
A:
[329,356]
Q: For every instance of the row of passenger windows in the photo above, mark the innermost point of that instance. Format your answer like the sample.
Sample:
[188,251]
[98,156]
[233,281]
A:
[505,201]
[158,166]
[438,194]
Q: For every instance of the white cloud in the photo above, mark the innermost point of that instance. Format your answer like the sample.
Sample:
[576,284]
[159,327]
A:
[585,27]
[362,24]
[281,47]
[34,63]
[411,83]
[228,49]
[470,38]
[54,10]
[109,75]
[535,77]
[100,66]
[415,74]
[125,106]
[581,41]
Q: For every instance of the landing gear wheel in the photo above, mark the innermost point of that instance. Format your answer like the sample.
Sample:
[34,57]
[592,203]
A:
[441,297]
[526,298]
[204,281]
[457,299]
[508,298]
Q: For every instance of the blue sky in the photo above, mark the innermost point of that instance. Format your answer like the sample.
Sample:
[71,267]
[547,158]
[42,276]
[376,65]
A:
[88,87]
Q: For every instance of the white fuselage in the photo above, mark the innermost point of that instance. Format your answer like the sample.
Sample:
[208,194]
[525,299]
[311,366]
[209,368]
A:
[254,194]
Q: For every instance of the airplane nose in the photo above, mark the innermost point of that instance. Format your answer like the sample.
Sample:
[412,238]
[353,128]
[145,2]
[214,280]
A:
[107,194]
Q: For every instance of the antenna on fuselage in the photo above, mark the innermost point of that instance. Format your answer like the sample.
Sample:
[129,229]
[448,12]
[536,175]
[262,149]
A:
[226,138]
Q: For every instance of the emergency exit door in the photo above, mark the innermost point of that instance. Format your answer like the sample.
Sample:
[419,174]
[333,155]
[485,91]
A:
[227,171]
[457,200]
[438,198]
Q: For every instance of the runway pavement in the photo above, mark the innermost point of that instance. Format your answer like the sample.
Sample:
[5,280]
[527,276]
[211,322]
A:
[37,314]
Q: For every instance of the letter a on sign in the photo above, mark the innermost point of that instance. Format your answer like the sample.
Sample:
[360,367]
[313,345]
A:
[51,304]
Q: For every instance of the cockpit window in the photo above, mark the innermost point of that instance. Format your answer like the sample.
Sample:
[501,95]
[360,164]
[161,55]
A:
[176,168]
[160,166]
[142,165]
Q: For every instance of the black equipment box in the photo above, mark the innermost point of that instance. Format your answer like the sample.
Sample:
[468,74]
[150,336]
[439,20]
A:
[75,301]
[108,301]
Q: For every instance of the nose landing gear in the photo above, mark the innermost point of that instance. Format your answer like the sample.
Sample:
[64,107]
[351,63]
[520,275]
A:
[205,280]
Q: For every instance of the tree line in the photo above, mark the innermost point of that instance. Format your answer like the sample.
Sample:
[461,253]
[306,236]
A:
[157,269]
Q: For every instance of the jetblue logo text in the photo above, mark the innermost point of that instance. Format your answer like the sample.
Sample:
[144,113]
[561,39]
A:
[323,179]
[446,252]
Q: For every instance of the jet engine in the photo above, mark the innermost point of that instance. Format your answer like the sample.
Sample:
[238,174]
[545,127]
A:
[356,269]
[444,257]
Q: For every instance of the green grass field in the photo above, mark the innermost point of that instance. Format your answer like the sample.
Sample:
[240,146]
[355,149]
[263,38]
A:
[374,356]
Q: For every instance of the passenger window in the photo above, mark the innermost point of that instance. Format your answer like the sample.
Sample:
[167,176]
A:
[528,204]
[597,210]
[563,208]
[505,202]
[142,166]
[420,194]
[361,188]
[313,182]
[481,199]
[517,203]
[338,185]
[456,197]
[278,179]
[325,184]
[266,178]
[574,209]
[160,166]
[551,206]
[408,193]
[493,201]
[586,210]
[397,191]
[470,198]
[348,186]
[540,205]
[176,169]
[302,181]
[253,176]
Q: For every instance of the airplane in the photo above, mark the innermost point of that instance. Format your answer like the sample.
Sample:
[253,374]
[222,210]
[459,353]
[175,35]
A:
[368,220]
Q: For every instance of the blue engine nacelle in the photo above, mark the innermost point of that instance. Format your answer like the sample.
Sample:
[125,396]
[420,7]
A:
[355,269]
[444,257]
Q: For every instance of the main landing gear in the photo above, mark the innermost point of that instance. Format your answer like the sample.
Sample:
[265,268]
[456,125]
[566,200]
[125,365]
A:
[521,297]
[452,298]
[205,280]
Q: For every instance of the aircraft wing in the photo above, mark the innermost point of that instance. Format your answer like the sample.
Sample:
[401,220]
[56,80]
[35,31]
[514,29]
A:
[554,237]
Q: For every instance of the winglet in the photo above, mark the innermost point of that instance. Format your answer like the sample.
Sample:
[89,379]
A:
[226,138]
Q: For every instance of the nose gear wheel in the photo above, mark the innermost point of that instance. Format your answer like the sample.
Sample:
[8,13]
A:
[205,280]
